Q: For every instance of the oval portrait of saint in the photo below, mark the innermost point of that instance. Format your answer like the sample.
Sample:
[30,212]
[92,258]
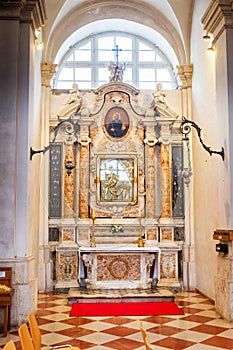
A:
[116,122]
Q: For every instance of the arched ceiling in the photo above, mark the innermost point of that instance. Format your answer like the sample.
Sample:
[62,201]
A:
[166,23]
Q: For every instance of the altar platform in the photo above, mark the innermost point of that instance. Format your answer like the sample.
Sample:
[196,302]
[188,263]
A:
[77,295]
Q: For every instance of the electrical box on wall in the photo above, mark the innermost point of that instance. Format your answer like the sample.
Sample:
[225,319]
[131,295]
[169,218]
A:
[223,235]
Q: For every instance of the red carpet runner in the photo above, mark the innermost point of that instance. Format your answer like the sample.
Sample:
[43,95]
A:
[125,309]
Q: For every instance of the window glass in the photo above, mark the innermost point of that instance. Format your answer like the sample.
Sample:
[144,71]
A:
[103,74]
[86,46]
[158,58]
[163,75]
[71,58]
[87,63]
[146,75]
[143,46]
[128,74]
[64,85]
[84,85]
[106,43]
[124,43]
[147,56]
[125,56]
[82,55]
[147,85]
[66,74]
[106,56]
[82,74]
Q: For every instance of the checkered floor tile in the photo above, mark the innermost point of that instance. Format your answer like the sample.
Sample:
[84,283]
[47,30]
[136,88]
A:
[200,328]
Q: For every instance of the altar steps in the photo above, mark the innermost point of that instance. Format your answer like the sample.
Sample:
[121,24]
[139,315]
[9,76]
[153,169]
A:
[76,295]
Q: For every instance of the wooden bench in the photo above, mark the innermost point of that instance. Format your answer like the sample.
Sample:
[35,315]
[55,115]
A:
[5,295]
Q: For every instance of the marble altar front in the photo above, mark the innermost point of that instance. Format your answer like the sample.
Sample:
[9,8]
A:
[119,266]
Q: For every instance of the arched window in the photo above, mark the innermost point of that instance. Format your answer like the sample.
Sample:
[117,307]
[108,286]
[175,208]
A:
[87,63]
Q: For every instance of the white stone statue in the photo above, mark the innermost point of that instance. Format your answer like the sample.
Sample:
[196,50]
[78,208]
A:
[116,71]
[72,104]
[159,96]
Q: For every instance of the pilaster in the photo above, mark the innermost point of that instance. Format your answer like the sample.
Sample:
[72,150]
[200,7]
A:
[45,282]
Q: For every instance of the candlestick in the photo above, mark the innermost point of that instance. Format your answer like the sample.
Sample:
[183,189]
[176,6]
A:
[140,240]
[92,242]
[93,215]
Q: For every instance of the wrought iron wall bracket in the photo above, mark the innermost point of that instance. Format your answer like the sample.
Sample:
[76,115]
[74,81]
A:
[71,128]
[32,151]
[186,129]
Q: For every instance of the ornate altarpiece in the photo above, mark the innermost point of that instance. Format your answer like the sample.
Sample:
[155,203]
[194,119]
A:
[116,192]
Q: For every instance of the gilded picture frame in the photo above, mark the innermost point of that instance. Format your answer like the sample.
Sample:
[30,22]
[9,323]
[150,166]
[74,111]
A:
[116,179]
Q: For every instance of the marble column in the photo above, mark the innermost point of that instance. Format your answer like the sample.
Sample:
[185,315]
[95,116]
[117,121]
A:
[69,184]
[84,141]
[165,164]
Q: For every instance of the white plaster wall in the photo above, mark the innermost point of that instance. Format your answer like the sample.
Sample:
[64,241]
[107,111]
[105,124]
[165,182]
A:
[206,177]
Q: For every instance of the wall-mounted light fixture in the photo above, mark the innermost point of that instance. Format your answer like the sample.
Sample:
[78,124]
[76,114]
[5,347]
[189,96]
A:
[39,44]
[207,36]
[38,38]
[37,32]
[211,49]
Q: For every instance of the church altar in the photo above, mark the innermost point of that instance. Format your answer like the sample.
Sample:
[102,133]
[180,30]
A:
[116,208]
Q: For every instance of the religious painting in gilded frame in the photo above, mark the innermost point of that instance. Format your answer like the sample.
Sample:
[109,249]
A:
[117,179]
[117,122]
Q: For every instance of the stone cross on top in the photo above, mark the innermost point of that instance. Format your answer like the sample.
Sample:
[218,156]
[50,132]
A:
[116,68]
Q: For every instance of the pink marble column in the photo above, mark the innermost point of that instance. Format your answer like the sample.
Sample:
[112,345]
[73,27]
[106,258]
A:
[165,164]
[150,182]
[83,185]
[69,186]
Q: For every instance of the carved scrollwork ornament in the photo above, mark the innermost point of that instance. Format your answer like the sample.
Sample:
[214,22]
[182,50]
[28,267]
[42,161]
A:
[84,140]
[118,268]
[165,142]
[151,140]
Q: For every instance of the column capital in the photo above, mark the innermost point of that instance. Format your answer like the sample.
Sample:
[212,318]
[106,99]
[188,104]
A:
[218,17]
[185,73]
[47,71]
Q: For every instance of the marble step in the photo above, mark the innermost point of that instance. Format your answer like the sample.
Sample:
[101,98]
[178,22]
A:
[76,295]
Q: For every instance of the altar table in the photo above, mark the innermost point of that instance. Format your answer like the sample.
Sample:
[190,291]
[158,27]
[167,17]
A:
[118,266]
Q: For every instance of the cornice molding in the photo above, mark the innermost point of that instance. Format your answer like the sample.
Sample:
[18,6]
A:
[218,17]
[25,11]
